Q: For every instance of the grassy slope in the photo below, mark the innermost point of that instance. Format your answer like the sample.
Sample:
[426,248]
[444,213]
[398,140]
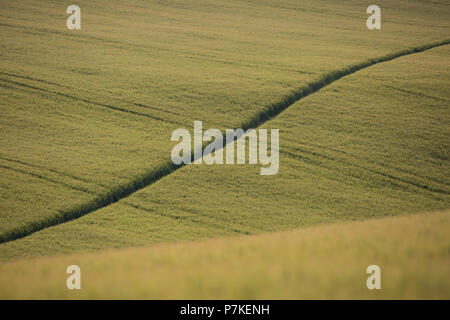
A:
[317,262]
[372,144]
[66,136]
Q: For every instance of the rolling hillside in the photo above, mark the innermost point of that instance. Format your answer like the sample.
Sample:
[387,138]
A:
[326,262]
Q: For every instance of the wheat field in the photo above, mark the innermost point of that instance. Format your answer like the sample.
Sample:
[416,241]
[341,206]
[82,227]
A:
[85,148]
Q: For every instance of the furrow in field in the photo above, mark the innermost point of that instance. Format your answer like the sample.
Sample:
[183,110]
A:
[85,38]
[85,91]
[103,105]
[146,49]
[63,174]
[35,175]
[420,94]
[163,170]
[191,219]
[396,169]
[395,180]
[355,165]
[32,79]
